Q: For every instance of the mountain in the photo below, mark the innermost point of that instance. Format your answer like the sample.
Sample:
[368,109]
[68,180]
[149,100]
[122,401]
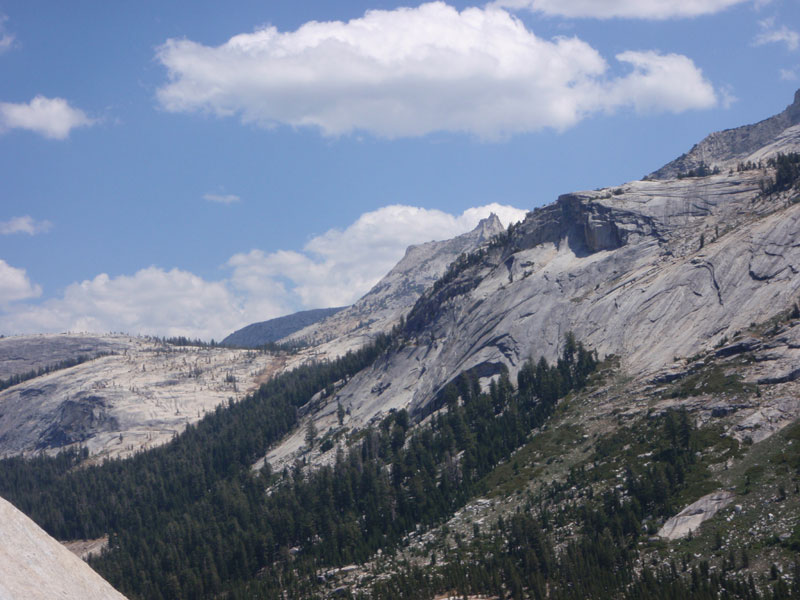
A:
[272,330]
[116,395]
[653,271]
[650,271]
[36,567]
[392,297]
[601,401]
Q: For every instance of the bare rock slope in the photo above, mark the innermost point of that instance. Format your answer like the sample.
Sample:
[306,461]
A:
[653,271]
[650,272]
[20,356]
[37,567]
[129,394]
[137,393]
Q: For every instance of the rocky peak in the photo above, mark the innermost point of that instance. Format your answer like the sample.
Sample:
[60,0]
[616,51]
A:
[724,149]
[488,228]
[394,295]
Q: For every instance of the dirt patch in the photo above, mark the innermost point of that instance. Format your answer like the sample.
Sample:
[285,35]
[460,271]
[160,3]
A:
[87,548]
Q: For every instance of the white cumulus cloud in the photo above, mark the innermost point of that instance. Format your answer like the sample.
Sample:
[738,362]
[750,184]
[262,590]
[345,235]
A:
[152,301]
[339,266]
[332,269]
[26,224]
[53,118]
[15,285]
[406,72]
[628,9]
[659,83]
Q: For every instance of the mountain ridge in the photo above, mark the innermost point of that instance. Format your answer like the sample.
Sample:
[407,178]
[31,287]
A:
[381,307]
[653,271]
[725,149]
[272,330]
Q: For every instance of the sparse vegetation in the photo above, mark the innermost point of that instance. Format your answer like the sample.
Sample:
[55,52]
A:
[711,381]
[64,364]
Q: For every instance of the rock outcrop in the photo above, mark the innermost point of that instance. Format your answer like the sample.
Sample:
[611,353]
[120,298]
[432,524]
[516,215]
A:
[649,272]
[691,517]
[37,567]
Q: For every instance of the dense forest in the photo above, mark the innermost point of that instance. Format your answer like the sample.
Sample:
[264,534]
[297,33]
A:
[192,519]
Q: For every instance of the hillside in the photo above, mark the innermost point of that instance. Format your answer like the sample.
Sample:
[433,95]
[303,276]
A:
[116,395]
[651,271]
[392,297]
[726,149]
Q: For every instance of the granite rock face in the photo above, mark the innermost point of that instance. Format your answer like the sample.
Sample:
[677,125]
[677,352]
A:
[37,567]
[691,517]
[653,271]
[135,394]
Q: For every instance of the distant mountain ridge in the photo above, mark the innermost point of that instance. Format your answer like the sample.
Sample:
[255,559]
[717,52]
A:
[272,330]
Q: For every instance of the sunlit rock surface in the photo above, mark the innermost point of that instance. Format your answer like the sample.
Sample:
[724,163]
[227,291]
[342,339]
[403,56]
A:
[34,566]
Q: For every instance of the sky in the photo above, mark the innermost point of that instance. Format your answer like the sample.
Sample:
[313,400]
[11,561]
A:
[190,167]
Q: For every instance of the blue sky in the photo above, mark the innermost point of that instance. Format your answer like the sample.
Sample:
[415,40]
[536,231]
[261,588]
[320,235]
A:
[190,167]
